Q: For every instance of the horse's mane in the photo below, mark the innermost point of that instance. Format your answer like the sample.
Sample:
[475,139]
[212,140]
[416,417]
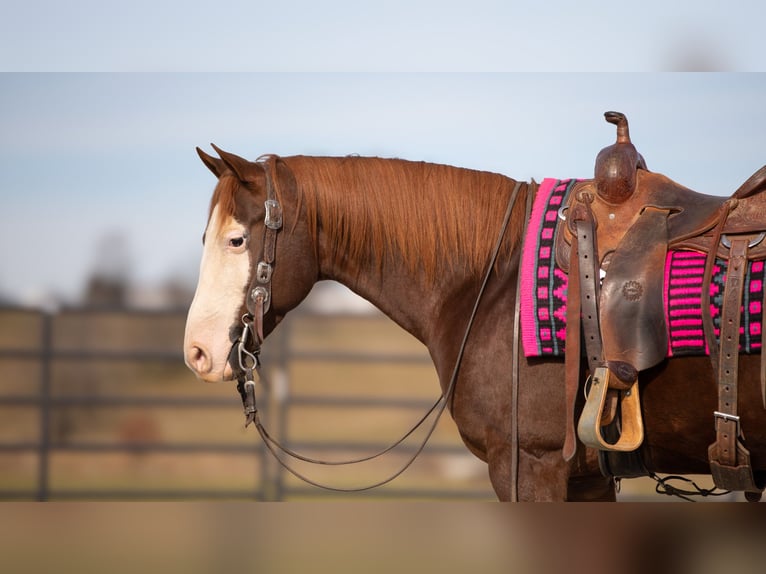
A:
[436,218]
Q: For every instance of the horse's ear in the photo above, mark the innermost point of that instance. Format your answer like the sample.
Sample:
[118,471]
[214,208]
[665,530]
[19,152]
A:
[245,170]
[213,163]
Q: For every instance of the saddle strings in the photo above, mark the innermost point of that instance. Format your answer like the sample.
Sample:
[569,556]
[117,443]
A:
[275,447]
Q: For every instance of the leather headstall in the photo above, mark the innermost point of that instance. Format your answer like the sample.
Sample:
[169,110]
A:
[259,298]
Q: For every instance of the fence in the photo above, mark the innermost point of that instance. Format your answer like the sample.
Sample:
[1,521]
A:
[96,404]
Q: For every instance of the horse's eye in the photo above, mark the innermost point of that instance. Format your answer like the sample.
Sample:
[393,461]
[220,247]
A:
[236,242]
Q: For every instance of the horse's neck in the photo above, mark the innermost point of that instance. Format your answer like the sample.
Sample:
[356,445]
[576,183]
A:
[421,298]
[409,299]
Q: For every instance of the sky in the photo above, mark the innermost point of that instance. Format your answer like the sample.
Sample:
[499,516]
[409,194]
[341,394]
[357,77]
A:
[102,104]
[98,168]
[395,35]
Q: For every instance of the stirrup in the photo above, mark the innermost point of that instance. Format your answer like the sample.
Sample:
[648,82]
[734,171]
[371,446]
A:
[589,426]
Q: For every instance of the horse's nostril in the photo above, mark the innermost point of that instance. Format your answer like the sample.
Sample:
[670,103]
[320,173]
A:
[198,360]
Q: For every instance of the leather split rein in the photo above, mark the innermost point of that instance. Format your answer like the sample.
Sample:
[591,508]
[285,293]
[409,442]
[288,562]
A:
[248,346]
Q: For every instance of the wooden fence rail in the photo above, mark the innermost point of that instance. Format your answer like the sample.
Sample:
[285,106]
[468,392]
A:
[99,406]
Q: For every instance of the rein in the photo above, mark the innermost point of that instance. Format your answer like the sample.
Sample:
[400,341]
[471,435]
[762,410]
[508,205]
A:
[249,361]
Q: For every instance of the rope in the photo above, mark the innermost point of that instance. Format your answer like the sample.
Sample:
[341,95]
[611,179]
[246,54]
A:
[664,488]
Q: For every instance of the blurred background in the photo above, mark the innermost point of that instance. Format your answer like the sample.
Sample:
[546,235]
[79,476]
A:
[398,35]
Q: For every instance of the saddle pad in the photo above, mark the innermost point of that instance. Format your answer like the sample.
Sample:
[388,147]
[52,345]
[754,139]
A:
[544,289]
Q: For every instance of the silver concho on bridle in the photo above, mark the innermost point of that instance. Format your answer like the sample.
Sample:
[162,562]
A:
[265,267]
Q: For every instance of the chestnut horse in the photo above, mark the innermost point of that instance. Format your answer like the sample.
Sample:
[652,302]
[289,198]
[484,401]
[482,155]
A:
[415,240]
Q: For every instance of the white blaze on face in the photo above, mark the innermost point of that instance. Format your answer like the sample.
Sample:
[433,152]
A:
[223,279]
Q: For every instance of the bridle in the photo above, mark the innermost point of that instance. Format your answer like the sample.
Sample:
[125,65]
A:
[259,294]
[258,304]
[259,297]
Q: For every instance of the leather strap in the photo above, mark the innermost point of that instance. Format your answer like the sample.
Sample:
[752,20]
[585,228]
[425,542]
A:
[531,192]
[729,459]
[589,286]
[259,300]
[582,312]
[573,354]
[727,422]
[707,319]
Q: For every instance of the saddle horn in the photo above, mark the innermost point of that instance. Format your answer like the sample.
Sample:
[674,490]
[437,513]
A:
[616,165]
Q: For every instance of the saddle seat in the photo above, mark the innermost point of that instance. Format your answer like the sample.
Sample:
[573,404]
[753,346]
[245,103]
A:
[612,240]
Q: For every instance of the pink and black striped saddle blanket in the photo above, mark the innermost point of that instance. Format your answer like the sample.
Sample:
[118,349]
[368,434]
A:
[544,289]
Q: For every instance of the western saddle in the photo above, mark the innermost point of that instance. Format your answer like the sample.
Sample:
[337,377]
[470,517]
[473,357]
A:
[613,237]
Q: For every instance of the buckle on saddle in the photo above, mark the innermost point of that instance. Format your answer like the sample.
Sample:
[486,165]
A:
[727,418]
[726,242]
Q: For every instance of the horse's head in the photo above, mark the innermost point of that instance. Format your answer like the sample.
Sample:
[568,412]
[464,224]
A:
[258,261]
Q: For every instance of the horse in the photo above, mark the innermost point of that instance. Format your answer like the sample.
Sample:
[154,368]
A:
[414,239]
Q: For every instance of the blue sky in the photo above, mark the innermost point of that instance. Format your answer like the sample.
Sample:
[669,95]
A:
[396,35]
[87,160]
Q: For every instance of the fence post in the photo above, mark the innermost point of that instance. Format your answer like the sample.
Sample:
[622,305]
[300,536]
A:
[46,358]
[282,396]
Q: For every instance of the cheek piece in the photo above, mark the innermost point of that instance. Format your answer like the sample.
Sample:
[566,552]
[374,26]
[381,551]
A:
[258,302]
